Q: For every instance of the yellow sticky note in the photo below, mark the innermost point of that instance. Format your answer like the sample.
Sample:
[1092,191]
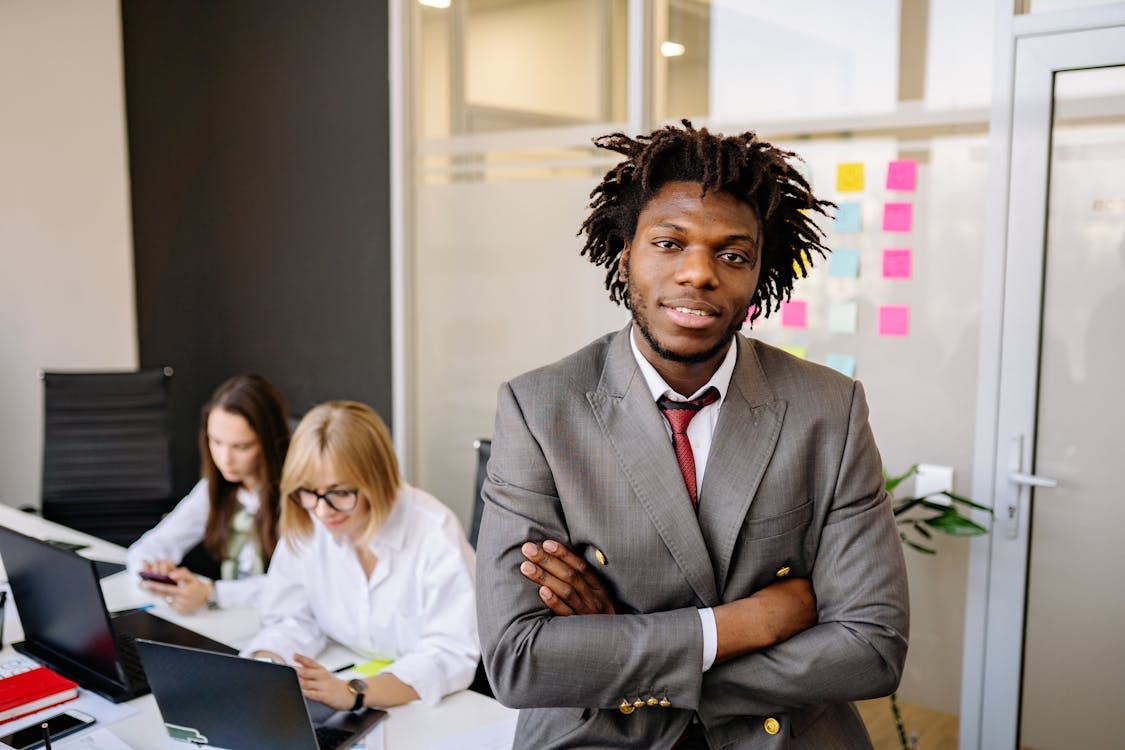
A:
[797,351]
[849,177]
[375,666]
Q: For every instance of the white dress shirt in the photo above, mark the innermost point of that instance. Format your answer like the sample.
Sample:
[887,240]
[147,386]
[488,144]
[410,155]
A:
[699,432]
[184,528]
[417,608]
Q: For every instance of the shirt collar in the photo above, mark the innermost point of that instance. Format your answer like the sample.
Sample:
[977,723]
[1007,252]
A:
[658,387]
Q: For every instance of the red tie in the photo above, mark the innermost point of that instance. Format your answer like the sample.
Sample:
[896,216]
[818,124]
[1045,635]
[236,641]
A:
[679,415]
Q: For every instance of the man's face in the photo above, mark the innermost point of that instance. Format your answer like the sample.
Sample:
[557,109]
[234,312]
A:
[692,268]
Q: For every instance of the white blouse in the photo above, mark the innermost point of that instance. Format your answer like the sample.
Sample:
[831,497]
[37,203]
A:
[417,608]
[184,528]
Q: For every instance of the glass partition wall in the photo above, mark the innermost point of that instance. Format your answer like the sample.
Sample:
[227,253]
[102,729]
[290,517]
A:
[887,102]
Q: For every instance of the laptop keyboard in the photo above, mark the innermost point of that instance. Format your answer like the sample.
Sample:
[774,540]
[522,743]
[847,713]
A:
[328,738]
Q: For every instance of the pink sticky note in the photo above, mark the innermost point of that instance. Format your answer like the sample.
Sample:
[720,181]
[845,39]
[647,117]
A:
[896,263]
[894,320]
[794,314]
[897,217]
[902,174]
[750,313]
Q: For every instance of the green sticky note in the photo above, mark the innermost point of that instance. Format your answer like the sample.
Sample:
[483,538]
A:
[373,667]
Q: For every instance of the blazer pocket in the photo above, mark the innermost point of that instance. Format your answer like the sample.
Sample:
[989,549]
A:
[759,529]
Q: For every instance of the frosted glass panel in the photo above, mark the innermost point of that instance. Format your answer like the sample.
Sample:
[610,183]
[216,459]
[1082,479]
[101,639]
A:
[776,60]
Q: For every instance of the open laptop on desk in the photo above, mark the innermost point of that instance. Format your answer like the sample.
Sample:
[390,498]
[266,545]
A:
[66,624]
[228,701]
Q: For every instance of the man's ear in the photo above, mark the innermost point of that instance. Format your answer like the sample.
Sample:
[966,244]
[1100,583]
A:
[623,265]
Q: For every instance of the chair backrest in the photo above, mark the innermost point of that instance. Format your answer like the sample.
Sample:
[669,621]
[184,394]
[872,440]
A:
[484,450]
[107,450]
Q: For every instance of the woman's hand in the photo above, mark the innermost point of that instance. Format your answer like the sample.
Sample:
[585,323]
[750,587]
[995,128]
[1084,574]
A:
[318,684]
[187,594]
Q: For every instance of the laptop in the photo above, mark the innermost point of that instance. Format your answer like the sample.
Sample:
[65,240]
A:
[66,624]
[229,701]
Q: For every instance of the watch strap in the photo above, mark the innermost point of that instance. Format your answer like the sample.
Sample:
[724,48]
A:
[358,702]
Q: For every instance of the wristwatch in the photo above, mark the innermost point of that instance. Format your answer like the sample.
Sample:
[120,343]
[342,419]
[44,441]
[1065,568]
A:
[358,688]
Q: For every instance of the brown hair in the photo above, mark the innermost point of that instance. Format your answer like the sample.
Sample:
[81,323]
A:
[354,440]
[258,401]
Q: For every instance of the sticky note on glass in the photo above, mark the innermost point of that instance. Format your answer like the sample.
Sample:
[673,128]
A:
[848,218]
[794,314]
[844,263]
[796,351]
[897,217]
[849,177]
[894,320]
[375,666]
[896,263]
[902,174]
[842,317]
[750,313]
[844,363]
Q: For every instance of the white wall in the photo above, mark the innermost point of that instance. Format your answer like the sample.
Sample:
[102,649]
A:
[66,267]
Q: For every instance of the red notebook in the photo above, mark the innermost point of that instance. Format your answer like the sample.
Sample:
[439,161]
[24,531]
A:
[25,691]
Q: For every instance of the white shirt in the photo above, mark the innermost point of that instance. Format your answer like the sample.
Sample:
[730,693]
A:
[184,528]
[699,432]
[417,608]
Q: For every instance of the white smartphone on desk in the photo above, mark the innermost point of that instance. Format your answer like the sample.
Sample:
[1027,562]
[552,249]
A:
[59,726]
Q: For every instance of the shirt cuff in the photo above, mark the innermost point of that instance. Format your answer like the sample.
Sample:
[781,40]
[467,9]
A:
[710,637]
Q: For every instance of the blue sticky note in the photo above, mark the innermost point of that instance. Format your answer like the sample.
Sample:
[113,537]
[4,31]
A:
[844,363]
[844,263]
[849,218]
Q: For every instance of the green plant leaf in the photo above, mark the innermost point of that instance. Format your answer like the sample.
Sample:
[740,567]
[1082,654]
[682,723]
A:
[904,505]
[967,501]
[923,530]
[952,523]
[893,482]
[919,547]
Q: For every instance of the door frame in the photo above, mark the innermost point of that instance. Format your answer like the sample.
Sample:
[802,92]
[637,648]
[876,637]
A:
[1030,49]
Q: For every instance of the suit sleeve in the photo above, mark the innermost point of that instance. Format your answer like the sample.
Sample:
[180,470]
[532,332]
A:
[533,658]
[857,649]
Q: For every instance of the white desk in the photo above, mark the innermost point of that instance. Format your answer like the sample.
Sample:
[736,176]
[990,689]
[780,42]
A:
[410,727]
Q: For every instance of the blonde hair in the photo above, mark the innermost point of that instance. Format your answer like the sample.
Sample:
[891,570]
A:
[354,441]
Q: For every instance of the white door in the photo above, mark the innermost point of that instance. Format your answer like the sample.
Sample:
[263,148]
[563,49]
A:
[1054,652]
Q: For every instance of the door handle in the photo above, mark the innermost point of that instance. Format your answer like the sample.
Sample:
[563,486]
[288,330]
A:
[1010,520]
[1032,480]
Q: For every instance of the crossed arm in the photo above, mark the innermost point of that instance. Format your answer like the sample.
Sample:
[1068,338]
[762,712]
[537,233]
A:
[568,586]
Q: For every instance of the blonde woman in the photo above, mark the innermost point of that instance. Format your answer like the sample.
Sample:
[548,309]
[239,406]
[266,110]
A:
[376,565]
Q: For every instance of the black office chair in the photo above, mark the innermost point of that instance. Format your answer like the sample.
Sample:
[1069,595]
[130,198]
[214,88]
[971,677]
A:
[107,456]
[483,447]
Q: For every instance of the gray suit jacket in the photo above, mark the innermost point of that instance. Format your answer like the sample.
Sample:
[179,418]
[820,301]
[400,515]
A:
[793,485]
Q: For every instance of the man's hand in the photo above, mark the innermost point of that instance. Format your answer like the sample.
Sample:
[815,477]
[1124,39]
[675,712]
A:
[567,585]
[765,618]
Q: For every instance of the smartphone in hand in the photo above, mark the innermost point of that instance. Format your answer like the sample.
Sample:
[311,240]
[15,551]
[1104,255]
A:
[157,577]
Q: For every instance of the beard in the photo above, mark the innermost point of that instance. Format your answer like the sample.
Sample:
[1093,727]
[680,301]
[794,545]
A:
[639,319]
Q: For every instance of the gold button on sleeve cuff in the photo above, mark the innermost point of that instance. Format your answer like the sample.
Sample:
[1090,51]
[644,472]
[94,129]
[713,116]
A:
[783,572]
[626,707]
[771,725]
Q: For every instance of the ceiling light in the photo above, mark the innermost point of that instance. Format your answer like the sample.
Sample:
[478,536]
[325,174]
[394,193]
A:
[435,3]
[672,49]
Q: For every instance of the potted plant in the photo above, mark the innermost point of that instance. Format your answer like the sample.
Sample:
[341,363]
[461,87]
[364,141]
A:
[919,518]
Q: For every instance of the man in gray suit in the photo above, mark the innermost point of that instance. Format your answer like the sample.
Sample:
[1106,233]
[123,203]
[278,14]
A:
[686,540]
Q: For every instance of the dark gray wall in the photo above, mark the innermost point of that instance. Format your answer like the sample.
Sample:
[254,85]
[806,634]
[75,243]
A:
[258,147]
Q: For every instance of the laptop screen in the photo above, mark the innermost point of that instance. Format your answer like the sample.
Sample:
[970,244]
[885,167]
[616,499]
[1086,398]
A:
[60,602]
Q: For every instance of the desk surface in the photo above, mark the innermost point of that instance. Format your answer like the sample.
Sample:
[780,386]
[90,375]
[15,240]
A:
[410,727]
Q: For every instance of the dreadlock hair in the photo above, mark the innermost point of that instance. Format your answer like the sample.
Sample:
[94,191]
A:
[752,171]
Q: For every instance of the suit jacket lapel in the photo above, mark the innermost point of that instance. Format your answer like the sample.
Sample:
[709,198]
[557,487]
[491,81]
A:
[631,422]
[745,438]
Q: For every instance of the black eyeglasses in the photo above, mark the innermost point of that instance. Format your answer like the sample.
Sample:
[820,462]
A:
[337,499]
